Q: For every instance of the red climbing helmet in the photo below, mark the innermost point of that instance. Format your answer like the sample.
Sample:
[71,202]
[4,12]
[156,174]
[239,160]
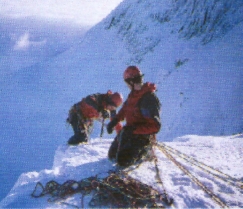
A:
[115,99]
[132,73]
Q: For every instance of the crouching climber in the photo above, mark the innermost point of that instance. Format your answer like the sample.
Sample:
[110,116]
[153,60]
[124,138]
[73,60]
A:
[92,107]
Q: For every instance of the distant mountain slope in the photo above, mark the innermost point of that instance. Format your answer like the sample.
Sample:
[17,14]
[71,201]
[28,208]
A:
[24,42]
[141,27]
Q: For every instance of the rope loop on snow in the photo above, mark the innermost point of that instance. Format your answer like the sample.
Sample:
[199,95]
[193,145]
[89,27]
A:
[114,190]
[209,169]
[193,178]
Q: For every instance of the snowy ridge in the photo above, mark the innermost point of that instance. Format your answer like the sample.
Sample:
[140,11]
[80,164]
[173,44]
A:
[75,163]
[142,31]
[206,19]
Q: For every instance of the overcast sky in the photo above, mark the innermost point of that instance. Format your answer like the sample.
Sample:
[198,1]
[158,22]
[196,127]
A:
[85,12]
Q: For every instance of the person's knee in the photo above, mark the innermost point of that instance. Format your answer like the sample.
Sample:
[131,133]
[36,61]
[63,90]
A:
[121,161]
[113,149]
[124,157]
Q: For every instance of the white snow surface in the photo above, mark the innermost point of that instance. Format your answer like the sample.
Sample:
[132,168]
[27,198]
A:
[224,154]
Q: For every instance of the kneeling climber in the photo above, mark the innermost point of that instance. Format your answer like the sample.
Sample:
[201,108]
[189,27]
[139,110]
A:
[141,111]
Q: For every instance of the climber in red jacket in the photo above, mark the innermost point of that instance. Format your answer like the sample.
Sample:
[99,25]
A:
[141,111]
[95,106]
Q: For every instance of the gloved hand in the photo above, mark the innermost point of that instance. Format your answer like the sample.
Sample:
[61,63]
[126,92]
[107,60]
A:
[105,114]
[111,125]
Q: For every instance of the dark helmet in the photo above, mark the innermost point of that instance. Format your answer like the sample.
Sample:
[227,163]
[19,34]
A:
[132,73]
[114,99]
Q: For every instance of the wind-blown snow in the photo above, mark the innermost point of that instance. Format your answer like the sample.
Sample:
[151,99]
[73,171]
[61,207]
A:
[77,162]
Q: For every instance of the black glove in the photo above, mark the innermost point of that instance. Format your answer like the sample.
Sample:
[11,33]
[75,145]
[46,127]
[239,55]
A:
[111,125]
[105,114]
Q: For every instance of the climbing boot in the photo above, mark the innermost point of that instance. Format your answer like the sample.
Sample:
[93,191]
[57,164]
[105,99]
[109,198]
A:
[78,138]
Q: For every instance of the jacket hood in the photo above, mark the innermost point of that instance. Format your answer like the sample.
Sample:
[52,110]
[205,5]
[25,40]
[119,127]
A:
[149,87]
[146,88]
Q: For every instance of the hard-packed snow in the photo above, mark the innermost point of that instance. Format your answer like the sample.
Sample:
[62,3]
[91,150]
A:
[224,154]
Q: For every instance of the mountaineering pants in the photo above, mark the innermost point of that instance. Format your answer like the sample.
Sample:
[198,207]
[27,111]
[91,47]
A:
[81,127]
[128,148]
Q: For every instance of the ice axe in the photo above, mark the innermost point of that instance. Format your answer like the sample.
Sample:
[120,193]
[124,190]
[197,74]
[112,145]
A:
[102,128]
[103,125]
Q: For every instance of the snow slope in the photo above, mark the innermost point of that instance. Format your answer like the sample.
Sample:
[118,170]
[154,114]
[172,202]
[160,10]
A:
[198,74]
[198,70]
[75,163]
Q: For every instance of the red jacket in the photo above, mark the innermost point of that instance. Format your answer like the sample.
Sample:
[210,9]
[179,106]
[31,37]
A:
[91,107]
[141,110]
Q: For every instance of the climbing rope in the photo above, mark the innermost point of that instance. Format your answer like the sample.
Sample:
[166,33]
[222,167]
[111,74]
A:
[209,169]
[167,199]
[126,192]
[114,190]
[193,178]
